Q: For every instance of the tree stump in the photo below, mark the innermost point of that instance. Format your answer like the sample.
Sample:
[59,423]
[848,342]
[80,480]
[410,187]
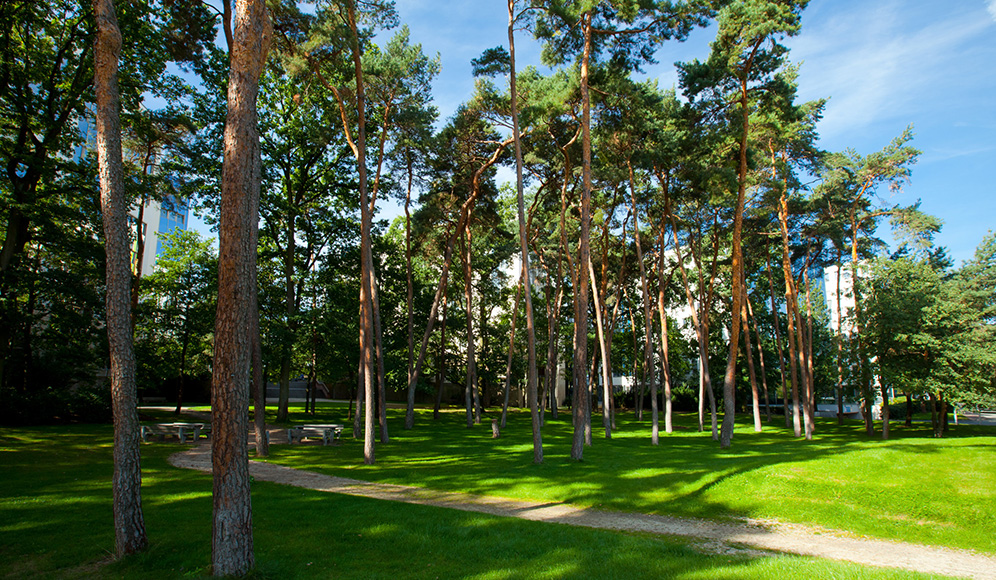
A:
[495,433]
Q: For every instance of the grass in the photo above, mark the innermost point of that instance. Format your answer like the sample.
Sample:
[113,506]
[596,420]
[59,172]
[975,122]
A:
[912,488]
[55,522]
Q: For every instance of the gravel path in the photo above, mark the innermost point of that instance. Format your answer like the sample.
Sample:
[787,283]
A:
[717,537]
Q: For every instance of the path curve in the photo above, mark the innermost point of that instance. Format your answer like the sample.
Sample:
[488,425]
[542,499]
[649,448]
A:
[719,537]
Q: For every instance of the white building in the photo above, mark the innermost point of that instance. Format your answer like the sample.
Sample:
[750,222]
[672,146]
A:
[846,295]
[158,217]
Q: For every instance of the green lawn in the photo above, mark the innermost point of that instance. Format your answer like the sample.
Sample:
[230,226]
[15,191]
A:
[912,488]
[55,506]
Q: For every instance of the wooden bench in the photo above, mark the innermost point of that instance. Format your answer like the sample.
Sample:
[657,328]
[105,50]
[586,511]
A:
[181,430]
[328,433]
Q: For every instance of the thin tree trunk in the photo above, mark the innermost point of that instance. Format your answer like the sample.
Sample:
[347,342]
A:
[511,350]
[791,307]
[232,542]
[840,350]
[532,384]
[463,222]
[778,343]
[702,330]
[666,371]
[603,347]
[755,395]
[410,296]
[859,343]
[129,521]
[381,375]
[470,386]
[760,358]
[258,386]
[441,375]
[648,319]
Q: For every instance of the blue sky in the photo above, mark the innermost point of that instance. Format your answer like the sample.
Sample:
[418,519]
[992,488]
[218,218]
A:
[884,64]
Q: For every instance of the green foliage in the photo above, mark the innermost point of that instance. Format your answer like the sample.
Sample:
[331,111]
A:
[175,322]
[930,328]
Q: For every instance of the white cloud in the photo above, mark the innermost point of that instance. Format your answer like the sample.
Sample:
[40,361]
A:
[991,7]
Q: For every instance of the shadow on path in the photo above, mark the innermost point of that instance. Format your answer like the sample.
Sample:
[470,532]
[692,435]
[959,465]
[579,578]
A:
[718,537]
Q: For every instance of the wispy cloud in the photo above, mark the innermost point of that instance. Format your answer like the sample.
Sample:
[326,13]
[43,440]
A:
[991,6]
[880,61]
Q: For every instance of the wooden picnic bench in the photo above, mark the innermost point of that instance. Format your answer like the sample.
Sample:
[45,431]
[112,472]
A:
[329,433]
[181,430]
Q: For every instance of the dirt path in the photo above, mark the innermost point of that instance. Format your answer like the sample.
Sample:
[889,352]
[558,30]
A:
[717,537]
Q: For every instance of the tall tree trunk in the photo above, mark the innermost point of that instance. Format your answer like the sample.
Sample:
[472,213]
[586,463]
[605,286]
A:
[665,359]
[582,400]
[258,384]
[791,307]
[511,350]
[532,378]
[737,278]
[470,386]
[360,397]
[755,396]
[462,223]
[700,321]
[441,364]
[129,521]
[232,543]
[760,359]
[368,354]
[810,369]
[778,344]
[840,350]
[864,369]
[603,347]
[290,303]
[184,346]
[381,375]
[885,411]
[410,295]
[648,319]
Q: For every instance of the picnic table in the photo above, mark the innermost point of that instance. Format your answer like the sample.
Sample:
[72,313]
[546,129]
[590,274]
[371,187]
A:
[181,430]
[328,432]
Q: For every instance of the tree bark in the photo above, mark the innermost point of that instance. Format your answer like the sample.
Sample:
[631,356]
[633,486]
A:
[470,386]
[760,359]
[532,378]
[737,279]
[648,320]
[755,396]
[232,542]
[791,306]
[258,385]
[129,521]
[441,364]
[511,349]
[778,344]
